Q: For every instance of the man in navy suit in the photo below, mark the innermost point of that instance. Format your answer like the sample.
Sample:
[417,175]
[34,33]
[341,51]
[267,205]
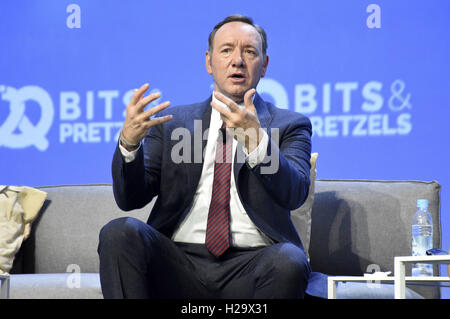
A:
[226,173]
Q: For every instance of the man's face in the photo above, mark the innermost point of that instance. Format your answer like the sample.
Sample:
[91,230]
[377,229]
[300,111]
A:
[236,60]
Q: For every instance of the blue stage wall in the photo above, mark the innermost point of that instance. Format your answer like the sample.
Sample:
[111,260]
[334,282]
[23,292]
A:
[373,76]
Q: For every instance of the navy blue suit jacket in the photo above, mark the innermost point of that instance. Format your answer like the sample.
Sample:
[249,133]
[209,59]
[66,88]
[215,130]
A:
[267,198]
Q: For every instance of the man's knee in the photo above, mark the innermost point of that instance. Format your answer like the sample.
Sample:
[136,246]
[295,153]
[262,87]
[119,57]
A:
[289,262]
[121,232]
[283,272]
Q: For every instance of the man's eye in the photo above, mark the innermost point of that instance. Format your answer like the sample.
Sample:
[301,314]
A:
[226,50]
[251,52]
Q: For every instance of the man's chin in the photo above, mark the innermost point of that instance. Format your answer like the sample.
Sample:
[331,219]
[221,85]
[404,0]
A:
[236,93]
[237,96]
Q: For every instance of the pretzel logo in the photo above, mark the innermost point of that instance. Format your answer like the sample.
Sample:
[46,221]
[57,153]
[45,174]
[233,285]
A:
[17,131]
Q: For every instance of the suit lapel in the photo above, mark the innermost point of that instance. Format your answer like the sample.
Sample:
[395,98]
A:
[197,122]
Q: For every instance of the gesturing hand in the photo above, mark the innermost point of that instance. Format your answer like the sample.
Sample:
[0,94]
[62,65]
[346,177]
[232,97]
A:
[243,121]
[137,120]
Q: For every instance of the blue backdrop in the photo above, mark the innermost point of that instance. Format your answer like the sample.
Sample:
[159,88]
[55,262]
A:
[373,76]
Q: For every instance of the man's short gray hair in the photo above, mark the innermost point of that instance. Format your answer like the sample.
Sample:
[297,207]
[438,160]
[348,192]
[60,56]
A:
[239,18]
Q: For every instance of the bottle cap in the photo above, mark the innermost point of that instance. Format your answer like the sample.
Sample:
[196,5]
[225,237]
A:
[422,203]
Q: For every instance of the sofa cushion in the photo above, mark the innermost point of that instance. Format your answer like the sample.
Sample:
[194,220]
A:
[301,217]
[55,286]
[66,231]
[362,290]
[360,225]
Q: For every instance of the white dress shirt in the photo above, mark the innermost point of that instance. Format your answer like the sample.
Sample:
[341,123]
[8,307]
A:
[192,229]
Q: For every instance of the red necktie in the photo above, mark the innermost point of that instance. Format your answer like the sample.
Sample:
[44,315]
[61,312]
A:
[218,228]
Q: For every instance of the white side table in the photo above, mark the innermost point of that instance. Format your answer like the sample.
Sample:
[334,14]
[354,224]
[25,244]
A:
[401,279]
[4,286]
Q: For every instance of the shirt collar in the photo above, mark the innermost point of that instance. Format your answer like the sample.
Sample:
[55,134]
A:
[242,105]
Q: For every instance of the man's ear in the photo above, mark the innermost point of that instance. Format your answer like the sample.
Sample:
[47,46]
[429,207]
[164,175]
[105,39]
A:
[265,64]
[208,62]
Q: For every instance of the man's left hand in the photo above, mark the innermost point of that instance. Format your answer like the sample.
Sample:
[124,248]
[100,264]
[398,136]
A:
[242,123]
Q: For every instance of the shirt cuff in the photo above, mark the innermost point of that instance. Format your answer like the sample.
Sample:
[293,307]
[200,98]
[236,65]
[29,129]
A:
[128,156]
[259,153]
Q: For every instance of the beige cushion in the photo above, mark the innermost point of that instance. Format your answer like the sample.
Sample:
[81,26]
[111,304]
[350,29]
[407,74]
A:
[301,217]
[19,206]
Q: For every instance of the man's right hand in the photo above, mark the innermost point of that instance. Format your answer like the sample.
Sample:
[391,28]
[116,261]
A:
[138,120]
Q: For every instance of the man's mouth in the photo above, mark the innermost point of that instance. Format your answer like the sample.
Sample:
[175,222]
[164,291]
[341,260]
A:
[237,77]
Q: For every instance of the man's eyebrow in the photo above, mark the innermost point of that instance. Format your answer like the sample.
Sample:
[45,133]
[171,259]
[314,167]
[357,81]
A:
[230,44]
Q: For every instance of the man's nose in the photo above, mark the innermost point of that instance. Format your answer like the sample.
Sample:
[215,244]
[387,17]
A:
[237,59]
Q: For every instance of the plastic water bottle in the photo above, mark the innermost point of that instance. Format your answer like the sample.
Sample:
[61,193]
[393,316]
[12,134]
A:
[422,237]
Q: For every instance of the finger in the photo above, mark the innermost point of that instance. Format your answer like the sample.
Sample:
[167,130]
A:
[142,96]
[248,100]
[227,101]
[156,109]
[223,111]
[139,93]
[148,99]
[159,120]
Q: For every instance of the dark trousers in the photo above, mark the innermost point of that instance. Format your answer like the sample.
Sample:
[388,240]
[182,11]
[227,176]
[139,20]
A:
[136,261]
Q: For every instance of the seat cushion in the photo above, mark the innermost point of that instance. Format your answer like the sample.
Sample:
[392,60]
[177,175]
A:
[55,286]
[362,290]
